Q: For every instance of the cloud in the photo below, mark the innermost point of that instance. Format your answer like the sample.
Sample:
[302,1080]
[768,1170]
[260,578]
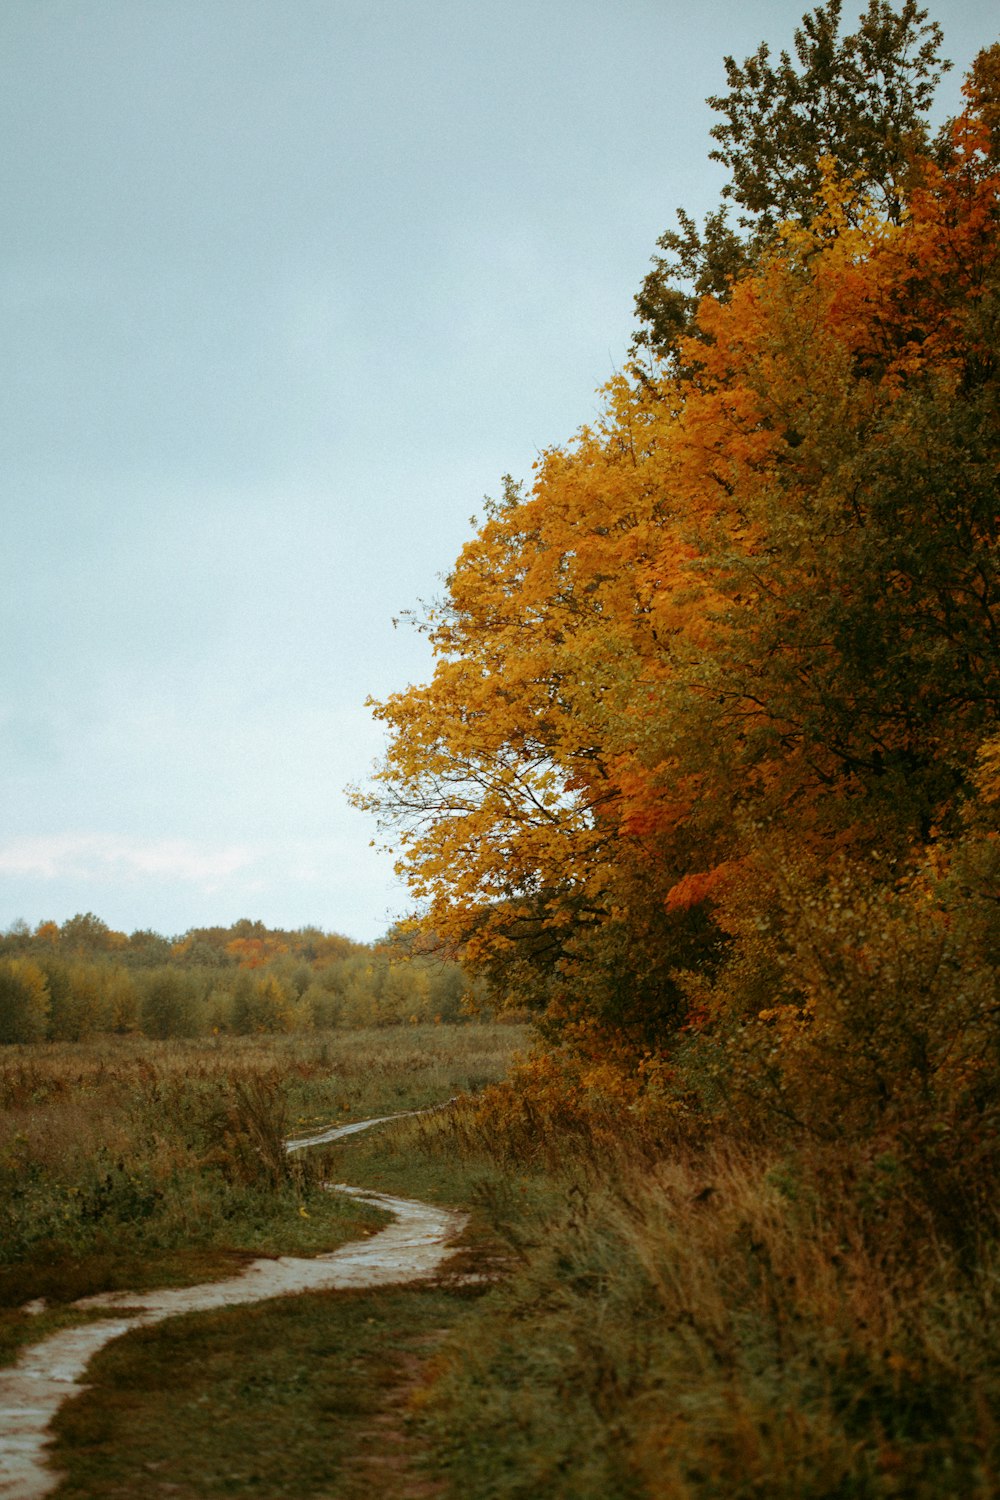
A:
[97,856]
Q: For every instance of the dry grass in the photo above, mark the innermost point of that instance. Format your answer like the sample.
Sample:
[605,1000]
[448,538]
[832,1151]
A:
[719,1321]
[675,1319]
[127,1162]
[193,1407]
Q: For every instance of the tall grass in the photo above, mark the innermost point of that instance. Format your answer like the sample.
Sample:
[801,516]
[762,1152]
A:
[130,1162]
[711,1320]
[675,1318]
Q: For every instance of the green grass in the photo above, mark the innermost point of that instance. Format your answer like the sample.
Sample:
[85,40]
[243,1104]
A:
[292,1399]
[670,1319]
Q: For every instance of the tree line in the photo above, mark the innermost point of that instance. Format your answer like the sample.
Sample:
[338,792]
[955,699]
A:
[71,981]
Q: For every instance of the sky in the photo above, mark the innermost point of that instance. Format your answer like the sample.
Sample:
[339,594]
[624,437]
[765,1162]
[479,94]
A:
[286,286]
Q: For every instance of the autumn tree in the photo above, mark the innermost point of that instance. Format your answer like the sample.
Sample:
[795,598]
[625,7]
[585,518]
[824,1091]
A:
[760,593]
[854,393]
[983,93]
[261,1004]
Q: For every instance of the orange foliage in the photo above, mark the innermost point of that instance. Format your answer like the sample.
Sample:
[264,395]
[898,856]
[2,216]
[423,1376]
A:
[690,628]
[698,886]
[253,953]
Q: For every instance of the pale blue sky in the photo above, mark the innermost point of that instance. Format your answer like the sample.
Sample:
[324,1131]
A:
[285,288]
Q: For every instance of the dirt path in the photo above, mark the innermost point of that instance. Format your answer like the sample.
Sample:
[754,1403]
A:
[48,1373]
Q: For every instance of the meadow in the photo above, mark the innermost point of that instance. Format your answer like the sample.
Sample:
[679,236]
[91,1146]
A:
[127,1162]
[648,1314]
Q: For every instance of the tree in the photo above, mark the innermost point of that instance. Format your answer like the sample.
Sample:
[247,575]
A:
[983,93]
[849,389]
[261,1005]
[146,949]
[167,1003]
[87,934]
[858,101]
[761,592]
[24,1001]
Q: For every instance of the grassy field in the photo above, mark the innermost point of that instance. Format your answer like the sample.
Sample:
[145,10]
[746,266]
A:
[654,1317]
[127,1163]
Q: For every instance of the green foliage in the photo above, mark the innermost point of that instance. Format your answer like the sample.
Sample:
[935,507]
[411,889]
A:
[168,1004]
[696,263]
[24,1001]
[245,979]
[75,989]
[863,1010]
[859,101]
[85,934]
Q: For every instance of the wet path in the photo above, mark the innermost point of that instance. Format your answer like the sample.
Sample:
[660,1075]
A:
[46,1374]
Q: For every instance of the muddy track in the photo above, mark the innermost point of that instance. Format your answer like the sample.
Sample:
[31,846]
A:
[52,1371]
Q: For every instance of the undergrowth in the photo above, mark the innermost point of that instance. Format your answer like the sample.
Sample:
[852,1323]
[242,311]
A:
[670,1314]
[713,1318]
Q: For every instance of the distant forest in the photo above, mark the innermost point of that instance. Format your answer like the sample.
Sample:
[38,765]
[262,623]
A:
[64,983]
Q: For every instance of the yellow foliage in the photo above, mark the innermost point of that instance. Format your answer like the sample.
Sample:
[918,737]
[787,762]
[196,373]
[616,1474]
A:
[734,601]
